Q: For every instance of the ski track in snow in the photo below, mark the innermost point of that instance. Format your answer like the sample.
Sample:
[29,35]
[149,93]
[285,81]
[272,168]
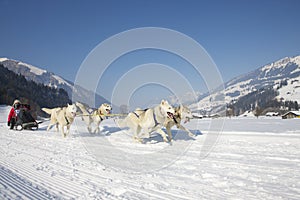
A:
[252,159]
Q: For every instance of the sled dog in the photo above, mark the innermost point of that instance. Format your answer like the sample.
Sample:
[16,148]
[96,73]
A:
[96,116]
[150,120]
[61,117]
[181,113]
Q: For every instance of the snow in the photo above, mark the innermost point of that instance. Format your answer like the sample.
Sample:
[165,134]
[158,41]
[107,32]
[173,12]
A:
[33,69]
[291,91]
[278,64]
[251,159]
[3,59]
[61,80]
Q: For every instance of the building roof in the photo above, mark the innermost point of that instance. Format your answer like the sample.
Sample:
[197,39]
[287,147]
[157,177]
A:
[293,112]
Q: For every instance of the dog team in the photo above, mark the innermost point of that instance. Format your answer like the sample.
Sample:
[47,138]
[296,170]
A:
[148,120]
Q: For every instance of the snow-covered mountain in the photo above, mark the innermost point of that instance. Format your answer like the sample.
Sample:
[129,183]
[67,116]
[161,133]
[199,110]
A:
[187,98]
[44,77]
[283,75]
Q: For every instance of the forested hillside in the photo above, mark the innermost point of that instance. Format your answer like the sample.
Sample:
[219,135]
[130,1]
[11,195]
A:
[14,86]
[261,101]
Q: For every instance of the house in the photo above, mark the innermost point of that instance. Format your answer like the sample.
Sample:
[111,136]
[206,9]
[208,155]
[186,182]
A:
[291,114]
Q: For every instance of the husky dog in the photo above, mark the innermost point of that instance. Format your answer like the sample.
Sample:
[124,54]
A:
[61,117]
[150,120]
[181,113]
[96,116]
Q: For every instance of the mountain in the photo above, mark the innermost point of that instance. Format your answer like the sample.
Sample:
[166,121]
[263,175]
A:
[187,98]
[14,86]
[44,77]
[282,75]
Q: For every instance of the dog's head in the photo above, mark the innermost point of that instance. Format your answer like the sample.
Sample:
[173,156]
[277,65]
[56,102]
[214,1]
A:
[72,109]
[105,109]
[185,113]
[167,109]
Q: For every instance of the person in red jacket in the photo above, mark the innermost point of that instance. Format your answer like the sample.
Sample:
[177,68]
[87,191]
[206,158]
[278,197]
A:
[13,114]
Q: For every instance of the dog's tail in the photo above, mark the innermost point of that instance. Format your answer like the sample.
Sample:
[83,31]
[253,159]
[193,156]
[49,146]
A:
[121,123]
[47,110]
[82,108]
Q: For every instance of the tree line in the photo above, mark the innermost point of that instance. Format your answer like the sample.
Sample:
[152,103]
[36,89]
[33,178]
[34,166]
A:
[14,86]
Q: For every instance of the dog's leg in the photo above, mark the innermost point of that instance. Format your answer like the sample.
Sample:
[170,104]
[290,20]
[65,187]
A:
[90,124]
[136,132]
[49,126]
[168,127]
[163,134]
[68,129]
[97,129]
[187,130]
[89,129]
[146,132]
[56,125]
[63,131]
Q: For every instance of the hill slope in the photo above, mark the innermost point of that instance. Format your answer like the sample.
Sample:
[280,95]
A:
[282,75]
[14,86]
[44,77]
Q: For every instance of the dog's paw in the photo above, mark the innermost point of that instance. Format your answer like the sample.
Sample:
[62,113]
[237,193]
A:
[166,140]
[192,135]
[139,140]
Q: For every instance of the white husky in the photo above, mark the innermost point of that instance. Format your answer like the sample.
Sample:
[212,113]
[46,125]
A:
[181,113]
[96,116]
[150,120]
[61,117]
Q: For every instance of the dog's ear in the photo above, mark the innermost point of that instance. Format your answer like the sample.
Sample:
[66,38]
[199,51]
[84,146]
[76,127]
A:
[163,102]
[181,107]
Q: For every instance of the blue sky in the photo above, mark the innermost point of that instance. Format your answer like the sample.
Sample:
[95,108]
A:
[239,35]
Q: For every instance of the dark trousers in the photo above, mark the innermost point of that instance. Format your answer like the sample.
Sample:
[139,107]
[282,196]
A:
[12,123]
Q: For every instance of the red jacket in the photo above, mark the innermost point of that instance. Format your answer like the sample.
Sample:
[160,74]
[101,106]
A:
[12,114]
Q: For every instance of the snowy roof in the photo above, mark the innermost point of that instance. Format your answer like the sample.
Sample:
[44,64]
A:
[247,113]
[272,113]
[294,112]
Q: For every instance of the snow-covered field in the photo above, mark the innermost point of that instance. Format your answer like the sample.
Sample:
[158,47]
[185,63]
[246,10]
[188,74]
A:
[251,159]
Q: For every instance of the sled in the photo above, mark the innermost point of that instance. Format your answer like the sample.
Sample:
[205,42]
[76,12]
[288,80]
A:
[26,121]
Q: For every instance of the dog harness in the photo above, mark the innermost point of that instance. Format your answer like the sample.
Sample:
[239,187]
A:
[67,120]
[137,114]
[99,114]
[154,117]
[155,120]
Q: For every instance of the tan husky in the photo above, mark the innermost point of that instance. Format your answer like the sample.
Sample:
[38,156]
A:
[96,116]
[61,117]
[150,120]
[181,113]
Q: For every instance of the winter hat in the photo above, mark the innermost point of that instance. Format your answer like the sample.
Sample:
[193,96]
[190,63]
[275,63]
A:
[16,101]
